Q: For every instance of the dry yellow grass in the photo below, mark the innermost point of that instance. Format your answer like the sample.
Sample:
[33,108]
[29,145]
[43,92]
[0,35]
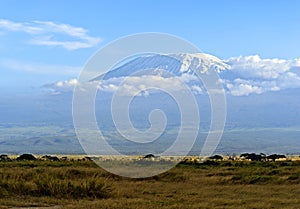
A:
[223,184]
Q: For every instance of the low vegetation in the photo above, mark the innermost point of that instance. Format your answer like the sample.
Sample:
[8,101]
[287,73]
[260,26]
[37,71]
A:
[60,180]
[216,183]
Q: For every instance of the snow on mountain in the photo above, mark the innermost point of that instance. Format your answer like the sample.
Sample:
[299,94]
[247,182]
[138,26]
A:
[200,62]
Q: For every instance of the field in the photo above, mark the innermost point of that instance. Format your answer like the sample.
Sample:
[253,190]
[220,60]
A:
[212,184]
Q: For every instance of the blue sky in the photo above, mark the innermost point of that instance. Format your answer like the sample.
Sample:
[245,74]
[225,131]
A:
[225,29]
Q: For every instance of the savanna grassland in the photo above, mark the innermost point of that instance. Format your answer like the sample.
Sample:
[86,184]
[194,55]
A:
[212,184]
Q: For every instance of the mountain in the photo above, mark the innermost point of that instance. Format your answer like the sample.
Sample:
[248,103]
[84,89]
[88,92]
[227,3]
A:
[265,113]
[257,121]
[176,64]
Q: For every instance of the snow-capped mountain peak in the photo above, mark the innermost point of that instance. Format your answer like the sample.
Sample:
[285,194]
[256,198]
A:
[176,64]
[200,62]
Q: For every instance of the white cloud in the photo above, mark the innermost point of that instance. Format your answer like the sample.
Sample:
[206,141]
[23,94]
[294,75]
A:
[142,85]
[40,68]
[289,80]
[48,33]
[197,89]
[129,86]
[255,67]
[254,75]
[243,88]
[20,27]
[62,86]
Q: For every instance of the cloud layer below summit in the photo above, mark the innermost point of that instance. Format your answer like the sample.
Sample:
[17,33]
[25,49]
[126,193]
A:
[244,76]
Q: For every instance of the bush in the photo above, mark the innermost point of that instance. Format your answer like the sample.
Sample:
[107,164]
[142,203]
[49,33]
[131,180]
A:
[58,183]
[89,188]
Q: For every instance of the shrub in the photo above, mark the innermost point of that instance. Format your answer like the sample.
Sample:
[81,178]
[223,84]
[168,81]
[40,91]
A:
[58,183]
